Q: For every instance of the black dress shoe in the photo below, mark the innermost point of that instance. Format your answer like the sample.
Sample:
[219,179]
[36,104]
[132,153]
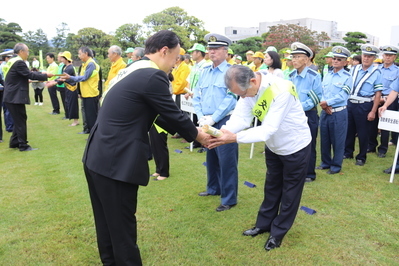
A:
[272,243]
[331,172]
[203,194]
[308,179]
[84,132]
[222,207]
[201,150]
[13,146]
[321,168]
[359,162]
[370,151]
[29,148]
[348,157]
[54,113]
[381,155]
[254,232]
[389,170]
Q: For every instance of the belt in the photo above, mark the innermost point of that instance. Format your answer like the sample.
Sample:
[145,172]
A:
[357,101]
[338,109]
[360,99]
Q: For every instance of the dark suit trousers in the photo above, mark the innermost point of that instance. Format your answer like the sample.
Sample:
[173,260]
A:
[285,178]
[52,91]
[114,206]
[159,148]
[19,134]
[313,122]
[1,123]
[90,106]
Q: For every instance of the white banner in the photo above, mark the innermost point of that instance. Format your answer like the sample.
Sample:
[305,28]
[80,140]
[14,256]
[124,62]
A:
[389,121]
[186,105]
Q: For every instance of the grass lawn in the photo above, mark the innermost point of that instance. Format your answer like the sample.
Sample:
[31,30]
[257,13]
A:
[46,216]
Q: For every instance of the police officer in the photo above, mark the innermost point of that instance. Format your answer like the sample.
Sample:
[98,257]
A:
[389,72]
[334,116]
[308,85]
[363,103]
[213,104]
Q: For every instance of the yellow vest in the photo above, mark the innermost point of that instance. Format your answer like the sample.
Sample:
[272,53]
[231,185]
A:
[9,64]
[89,87]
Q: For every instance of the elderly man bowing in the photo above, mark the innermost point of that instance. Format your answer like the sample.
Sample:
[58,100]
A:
[287,137]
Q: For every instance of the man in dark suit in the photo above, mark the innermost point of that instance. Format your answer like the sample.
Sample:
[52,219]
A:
[16,94]
[115,159]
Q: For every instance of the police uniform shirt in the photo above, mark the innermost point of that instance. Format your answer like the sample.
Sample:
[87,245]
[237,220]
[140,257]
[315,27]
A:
[284,128]
[211,96]
[395,87]
[371,85]
[389,74]
[336,88]
[308,86]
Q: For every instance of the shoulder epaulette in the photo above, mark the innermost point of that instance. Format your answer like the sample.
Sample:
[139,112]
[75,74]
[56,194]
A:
[312,72]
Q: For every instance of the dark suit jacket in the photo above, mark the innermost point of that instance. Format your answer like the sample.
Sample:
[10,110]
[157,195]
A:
[16,88]
[118,145]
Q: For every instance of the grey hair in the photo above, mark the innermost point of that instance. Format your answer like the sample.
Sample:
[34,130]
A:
[19,47]
[140,52]
[241,75]
[116,49]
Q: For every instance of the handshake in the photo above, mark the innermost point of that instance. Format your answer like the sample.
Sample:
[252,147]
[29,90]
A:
[206,120]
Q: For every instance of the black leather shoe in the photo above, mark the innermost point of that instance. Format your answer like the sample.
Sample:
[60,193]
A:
[201,150]
[321,168]
[254,232]
[204,194]
[54,113]
[272,243]
[308,179]
[222,207]
[370,151]
[381,155]
[331,172]
[359,162]
[348,157]
[84,132]
[29,148]
[389,170]
[14,146]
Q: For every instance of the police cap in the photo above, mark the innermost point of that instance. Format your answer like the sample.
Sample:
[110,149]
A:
[389,49]
[217,40]
[340,51]
[300,48]
[369,49]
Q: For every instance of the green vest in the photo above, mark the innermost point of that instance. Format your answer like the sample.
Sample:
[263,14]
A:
[265,100]
[59,71]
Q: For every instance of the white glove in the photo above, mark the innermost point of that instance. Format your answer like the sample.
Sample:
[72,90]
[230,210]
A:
[208,121]
[201,121]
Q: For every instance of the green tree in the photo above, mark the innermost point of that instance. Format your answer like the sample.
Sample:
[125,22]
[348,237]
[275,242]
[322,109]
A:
[9,34]
[354,41]
[59,41]
[189,28]
[36,41]
[129,35]
[95,39]
[281,36]
[319,58]
[251,43]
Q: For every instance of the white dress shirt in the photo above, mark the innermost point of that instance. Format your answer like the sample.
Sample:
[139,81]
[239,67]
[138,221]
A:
[284,128]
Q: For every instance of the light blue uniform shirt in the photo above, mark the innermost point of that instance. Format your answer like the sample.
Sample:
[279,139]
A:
[371,85]
[211,96]
[336,88]
[389,74]
[308,86]
[395,86]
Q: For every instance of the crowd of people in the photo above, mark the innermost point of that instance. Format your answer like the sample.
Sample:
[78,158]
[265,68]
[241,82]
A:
[129,120]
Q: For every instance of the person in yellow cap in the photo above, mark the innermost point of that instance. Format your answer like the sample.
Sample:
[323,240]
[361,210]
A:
[258,58]
[115,56]
[71,94]
[249,56]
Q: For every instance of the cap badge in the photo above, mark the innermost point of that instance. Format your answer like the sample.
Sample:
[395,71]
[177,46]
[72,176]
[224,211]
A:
[389,49]
[294,47]
[369,49]
[339,50]
[212,39]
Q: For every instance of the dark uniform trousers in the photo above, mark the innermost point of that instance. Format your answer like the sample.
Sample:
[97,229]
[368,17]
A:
[89,112]
[114,206]
[373,142]
[52,91]
[358,124]
[19,134]
[285,178]
[160,152]
[222,170]
[313,122]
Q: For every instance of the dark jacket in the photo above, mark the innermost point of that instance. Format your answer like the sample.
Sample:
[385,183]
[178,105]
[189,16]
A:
[118,145]
[16,87]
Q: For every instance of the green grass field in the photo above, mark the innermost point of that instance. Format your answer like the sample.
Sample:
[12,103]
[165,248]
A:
[46,216]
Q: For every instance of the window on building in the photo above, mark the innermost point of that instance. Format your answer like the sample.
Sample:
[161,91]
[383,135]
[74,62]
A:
[234,31]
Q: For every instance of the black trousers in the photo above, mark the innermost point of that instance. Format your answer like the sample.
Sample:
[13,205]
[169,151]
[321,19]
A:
[89,112]
[114,206]
[285,178]
[19,134]
[1,123]
[52,91]
[160,152]
[39,95]
[313,122]
[71,101]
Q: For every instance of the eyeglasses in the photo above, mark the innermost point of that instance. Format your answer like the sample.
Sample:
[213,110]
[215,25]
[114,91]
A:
[338,59]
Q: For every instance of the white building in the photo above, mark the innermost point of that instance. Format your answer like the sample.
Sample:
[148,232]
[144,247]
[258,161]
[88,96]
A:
[395,35]
[329,27]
